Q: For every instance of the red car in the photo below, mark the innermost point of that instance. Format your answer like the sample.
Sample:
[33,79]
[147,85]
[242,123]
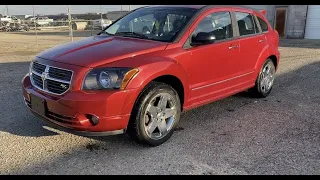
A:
[142,71]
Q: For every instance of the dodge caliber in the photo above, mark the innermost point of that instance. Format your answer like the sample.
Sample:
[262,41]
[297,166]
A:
[137,75]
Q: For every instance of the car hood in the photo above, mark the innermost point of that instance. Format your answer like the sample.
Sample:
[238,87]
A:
[98,50]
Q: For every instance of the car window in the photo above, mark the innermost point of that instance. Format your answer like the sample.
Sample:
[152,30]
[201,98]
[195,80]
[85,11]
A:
[219,24]
[246,23]
[142,25]
[154,23]
[263,24]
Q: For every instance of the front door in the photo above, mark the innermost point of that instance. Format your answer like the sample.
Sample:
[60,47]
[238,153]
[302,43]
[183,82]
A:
[212,64]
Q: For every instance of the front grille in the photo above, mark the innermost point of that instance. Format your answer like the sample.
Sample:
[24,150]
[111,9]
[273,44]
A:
[37,80]
[57,87]
[39,68]
[50,79]
[60,74]
[60,118]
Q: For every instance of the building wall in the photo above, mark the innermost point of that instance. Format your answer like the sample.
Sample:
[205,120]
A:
[296,21]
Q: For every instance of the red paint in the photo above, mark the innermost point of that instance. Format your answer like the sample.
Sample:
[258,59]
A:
[264,12]
[207,73]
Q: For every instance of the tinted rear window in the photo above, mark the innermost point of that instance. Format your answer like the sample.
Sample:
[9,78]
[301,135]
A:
[263,24]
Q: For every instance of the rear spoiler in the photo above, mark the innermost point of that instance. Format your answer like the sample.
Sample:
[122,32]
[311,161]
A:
[264,12]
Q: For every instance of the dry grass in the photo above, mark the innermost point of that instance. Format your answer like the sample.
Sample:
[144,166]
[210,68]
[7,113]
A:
[24,46]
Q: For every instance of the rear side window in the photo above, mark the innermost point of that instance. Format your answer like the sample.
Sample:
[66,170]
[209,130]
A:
[246,23]
[263,24]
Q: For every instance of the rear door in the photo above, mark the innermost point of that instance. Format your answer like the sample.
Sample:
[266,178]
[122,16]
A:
[252,42]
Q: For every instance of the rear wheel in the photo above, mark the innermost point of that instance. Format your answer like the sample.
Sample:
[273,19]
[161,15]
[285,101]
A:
[155,114]
[264,82]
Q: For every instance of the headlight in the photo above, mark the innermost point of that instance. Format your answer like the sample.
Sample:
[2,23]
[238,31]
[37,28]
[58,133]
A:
[108,78]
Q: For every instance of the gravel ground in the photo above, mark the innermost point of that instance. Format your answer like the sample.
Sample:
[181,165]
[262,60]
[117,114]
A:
[237,135]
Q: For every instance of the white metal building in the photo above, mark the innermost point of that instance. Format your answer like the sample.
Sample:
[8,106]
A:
[312,29]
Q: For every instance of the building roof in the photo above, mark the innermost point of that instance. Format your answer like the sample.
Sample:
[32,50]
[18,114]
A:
[114,15]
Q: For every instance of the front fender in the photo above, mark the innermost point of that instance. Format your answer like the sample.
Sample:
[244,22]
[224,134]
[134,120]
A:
[155,68]
[150,68]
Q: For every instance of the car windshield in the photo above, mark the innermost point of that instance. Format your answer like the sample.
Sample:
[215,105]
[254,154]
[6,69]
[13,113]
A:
[154,23]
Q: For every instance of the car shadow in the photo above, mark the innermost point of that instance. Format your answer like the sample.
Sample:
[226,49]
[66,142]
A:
[15,117]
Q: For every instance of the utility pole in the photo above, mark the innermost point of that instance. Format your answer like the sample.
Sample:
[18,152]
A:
[121,7]
[70,24]
[7,10]
[35,26]
[101,23]
[129,7]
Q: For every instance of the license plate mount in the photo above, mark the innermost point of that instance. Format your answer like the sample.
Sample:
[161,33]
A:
[38,105]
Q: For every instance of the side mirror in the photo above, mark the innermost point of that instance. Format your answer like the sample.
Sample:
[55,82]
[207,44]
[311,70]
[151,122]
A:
[202,38]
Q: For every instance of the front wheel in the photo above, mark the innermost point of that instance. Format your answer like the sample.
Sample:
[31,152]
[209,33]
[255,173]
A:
[265,80]
[155,114]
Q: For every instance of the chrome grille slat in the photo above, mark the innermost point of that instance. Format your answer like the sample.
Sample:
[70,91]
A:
[60,74]
[50,79]
[38,81]
[39,68]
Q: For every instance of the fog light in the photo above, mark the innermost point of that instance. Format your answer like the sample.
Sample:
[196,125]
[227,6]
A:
[94,120]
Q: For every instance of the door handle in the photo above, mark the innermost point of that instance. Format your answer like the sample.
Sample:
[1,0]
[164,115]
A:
[233,47]
[261,40]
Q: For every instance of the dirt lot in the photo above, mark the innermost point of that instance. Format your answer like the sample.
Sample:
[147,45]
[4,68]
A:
[24,45]
[237,135]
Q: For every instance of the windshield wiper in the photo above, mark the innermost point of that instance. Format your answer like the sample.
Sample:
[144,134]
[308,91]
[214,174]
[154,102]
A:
[104,32]
[132,34]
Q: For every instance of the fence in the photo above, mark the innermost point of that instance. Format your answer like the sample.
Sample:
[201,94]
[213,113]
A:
[49,30]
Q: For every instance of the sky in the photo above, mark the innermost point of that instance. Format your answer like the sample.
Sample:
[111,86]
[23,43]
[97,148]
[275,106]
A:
[57,9]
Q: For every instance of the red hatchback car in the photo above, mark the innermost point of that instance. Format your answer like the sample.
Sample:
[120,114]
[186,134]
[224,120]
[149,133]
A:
[142,71]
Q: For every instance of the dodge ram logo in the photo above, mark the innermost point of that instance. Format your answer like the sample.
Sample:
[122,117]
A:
[45,74]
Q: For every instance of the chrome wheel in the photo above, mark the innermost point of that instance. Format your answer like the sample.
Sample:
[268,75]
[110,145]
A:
[160,116]
[267,77]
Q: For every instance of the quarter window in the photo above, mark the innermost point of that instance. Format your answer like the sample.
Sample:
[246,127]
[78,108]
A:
[218,24]
[246,23]
[263,24]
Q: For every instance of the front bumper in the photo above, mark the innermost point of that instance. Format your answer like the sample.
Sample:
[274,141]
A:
[70,111]
[74,131]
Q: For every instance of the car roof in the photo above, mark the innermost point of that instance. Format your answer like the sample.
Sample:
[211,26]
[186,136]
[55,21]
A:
[210,6]
[185,6]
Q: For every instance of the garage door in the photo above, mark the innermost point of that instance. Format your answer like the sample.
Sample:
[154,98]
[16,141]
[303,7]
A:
[312,30]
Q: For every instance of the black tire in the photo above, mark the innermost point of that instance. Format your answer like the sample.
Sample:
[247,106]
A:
[257,90]
[136,126]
